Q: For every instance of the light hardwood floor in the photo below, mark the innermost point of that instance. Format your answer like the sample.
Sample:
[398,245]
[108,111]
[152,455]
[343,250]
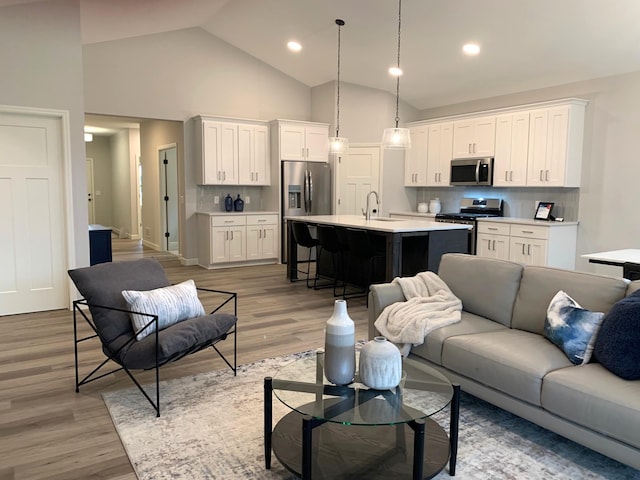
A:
[47,431]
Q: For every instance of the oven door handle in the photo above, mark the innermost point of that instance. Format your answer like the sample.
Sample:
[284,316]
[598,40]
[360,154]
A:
[478,171]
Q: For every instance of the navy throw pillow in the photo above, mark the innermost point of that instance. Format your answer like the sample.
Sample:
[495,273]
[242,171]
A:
[617,345]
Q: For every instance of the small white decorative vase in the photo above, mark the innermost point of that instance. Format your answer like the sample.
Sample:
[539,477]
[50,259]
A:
[380,365]
[423,207]
[435,206]
[340,346]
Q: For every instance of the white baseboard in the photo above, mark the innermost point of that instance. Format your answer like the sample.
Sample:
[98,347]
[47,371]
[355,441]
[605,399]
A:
[188,262]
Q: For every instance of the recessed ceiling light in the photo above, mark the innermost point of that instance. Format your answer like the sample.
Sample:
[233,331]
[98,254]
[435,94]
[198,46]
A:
[294,46]
[471,49]
[395,71]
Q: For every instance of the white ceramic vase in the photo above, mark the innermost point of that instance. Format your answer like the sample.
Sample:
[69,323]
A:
[340,346]
[435,206]
[380,364]
[423,207]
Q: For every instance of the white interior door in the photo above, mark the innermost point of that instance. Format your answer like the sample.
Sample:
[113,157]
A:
[357,173]
[91,201]
[33,242]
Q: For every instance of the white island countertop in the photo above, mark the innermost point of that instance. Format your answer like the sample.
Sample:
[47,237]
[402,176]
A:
[380,224]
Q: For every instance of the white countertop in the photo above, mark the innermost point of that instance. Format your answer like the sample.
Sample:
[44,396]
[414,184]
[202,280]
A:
[381,224]
[526,221]
[414,214]
[615,256]
[215,214]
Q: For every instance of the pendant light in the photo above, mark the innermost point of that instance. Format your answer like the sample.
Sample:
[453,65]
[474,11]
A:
[338,144]
[397,138]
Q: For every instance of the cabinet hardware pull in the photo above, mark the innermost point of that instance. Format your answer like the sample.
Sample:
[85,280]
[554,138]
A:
[218,174]
[307,153]
[546,175]
[231,232]
[469,148]
[474,147]
[511,176]
[541,175]
[529,249]
[527,231]
[440,177]
[505,176]
[492,228]
[494,245]
[224,175]
[257,173]
[523,249]
[226,235]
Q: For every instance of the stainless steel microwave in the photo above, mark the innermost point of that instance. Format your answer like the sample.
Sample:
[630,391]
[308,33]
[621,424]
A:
[472,171]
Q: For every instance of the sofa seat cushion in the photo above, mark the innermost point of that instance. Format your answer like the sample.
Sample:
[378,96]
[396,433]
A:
[511,361]
[174,342]
[431,349]
[591,396]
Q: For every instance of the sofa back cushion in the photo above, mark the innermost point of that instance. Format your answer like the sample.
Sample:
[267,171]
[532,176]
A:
[486,287]
[539,285]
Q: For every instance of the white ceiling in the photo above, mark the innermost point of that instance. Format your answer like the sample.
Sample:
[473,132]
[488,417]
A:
[526,44]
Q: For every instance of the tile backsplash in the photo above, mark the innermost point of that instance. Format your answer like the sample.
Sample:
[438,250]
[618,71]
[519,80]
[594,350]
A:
[518,202]
[206,197]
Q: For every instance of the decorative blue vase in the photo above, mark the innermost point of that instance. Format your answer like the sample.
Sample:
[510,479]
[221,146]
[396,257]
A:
[238,204]
[228,203]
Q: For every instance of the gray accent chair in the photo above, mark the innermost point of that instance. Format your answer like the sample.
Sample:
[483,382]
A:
[101,287]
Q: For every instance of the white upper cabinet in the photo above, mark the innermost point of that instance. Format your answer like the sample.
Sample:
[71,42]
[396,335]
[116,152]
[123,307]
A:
[232,153]
[415,158]
[439,154]
[303,141]
[512,150]
[474,137]
[253,155]
[555,146]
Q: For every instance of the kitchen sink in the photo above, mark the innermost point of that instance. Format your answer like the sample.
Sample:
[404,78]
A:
[387,219]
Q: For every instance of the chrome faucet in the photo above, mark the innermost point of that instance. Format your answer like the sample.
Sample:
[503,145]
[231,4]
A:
[367,213]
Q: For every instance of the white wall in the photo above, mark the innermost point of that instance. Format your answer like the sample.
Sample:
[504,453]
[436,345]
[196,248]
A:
[41,60]
[608,213]
[121,181]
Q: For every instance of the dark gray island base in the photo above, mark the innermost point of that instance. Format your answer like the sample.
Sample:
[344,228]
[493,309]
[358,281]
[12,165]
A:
[412,246]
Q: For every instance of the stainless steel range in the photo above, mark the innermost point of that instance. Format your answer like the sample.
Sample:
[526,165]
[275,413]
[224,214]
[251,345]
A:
[470,210]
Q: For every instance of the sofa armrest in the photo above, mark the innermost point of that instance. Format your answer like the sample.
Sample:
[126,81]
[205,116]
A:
[380,296]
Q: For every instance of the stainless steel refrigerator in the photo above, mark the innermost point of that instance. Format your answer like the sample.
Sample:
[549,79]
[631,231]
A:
[306,190]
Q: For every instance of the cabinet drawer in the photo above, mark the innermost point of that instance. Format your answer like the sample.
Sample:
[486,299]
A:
[262,219]
[224,221]
[494,228]
[530,231]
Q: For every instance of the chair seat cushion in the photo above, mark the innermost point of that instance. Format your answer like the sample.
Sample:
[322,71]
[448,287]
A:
[174,342]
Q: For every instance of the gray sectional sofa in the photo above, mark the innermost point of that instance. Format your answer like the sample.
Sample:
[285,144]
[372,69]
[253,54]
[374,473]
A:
[497,352]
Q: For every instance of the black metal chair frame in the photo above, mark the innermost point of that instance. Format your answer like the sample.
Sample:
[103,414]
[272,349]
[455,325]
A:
[113,355]
[337,261]
[369,259]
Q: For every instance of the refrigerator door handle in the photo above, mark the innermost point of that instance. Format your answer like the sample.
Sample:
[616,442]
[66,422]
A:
[305,191]
[310,192]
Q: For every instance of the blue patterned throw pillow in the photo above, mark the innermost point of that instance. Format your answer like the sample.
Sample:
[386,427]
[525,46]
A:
[172,304]
[572,328]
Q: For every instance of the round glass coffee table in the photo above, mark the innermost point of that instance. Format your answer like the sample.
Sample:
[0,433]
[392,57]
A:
[356,432]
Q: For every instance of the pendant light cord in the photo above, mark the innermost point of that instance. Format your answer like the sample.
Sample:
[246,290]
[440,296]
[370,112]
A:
[340,23]
[398,78]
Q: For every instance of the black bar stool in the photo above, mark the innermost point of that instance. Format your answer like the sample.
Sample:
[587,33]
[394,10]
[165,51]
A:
[365,252]
[330,242]
[303,238]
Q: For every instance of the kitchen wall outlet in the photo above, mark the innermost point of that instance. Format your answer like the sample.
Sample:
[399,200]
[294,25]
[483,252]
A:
[216,200]
[247,200]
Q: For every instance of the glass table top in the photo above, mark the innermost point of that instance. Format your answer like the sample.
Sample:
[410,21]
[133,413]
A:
[302,386]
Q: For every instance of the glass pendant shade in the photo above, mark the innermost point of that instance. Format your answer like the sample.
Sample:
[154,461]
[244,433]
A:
[338,144]
[396,138]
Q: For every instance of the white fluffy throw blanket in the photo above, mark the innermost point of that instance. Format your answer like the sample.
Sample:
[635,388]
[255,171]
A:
[430,304]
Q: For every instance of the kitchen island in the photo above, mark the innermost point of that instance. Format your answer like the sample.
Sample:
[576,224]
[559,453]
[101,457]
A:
[411,245]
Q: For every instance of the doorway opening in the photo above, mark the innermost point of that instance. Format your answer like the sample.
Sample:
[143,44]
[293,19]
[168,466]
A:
[168,157]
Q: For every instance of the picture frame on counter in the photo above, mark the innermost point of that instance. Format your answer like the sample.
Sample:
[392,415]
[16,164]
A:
[543,211]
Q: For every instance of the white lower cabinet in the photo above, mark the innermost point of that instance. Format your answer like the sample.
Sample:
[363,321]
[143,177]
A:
[228,239]
[549,244]
[262,237]
[492,240]
[237,239]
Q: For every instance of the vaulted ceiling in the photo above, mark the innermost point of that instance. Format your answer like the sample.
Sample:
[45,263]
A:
[525,44]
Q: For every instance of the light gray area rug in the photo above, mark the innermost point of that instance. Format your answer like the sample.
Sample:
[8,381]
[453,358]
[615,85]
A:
[212,428]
